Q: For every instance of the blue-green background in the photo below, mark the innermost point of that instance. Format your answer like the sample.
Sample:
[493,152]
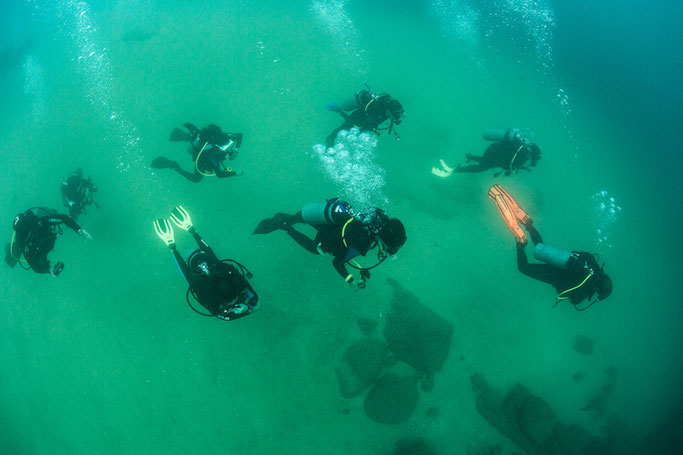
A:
[108,358]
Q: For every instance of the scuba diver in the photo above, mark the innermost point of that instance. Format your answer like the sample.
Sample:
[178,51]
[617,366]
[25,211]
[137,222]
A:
[220,286]
[575,275]
[369,112]
[77,193]
[210,147]
[34,237]
[343,233]
[510,151]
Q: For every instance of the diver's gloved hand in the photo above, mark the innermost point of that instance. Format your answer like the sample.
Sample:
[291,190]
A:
[355,285]
[85,234]
[57,269]
[334,107]
[365,274]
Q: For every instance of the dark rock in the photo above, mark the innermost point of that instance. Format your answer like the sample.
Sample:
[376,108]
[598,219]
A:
[416,334]
[366,358]
[529,422]
[363,361]
[366,325]
[392,400]
[433,413]
[414,446]
[390,359]
[427,383]
[583,345]
[598,403]
[579,376]
[350,384]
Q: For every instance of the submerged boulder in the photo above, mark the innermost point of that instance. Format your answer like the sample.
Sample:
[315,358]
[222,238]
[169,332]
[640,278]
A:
[363,361]
[366,325]
[392,400]
[528,421]
[583,344]
[416,334]
[599,402]
[413,446]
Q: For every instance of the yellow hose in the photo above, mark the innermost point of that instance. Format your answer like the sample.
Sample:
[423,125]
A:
[561,296]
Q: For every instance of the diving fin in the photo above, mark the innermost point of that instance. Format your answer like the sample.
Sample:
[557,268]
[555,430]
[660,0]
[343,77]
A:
[181,218]
[444,171]
[9,258]
[279,221]
[506,207]
[520,214]
[178,135]
[164,231]
[163,163]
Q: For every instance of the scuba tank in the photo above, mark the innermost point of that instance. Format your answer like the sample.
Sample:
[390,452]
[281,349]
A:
[509,135]
[551,255]
[323,212]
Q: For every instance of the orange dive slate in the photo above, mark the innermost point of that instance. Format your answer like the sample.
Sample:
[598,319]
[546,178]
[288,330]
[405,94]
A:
[511,212]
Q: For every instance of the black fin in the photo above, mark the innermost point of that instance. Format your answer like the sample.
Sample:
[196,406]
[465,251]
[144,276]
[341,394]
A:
[279,221]
[163,163]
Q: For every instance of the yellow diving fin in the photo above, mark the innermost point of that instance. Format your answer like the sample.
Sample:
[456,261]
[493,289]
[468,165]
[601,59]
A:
[181,218]
[445,170]
[165,231]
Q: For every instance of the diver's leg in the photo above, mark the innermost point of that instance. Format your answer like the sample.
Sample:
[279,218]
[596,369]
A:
[347,125]
[38,261]
[304,241]
[201,243]
[237,138]
[469,157]
[541,272]
[182,266]
[194,131]
[533,233]
[332,136]
[192,177]
[472,168]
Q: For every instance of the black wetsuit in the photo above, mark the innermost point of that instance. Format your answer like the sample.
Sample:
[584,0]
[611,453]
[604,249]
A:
[77,194]
[224,290]
[371,113]
[500,155]
[343,237]
[210,147]
[578,268]
[210,161]
[34,237]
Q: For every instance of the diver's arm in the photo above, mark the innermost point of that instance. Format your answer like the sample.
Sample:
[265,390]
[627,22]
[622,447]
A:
[59,218]
[222,173]
[237,138]
[220,170]
[341,269]
[338,263]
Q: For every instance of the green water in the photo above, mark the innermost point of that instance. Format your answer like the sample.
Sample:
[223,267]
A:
[108,359]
